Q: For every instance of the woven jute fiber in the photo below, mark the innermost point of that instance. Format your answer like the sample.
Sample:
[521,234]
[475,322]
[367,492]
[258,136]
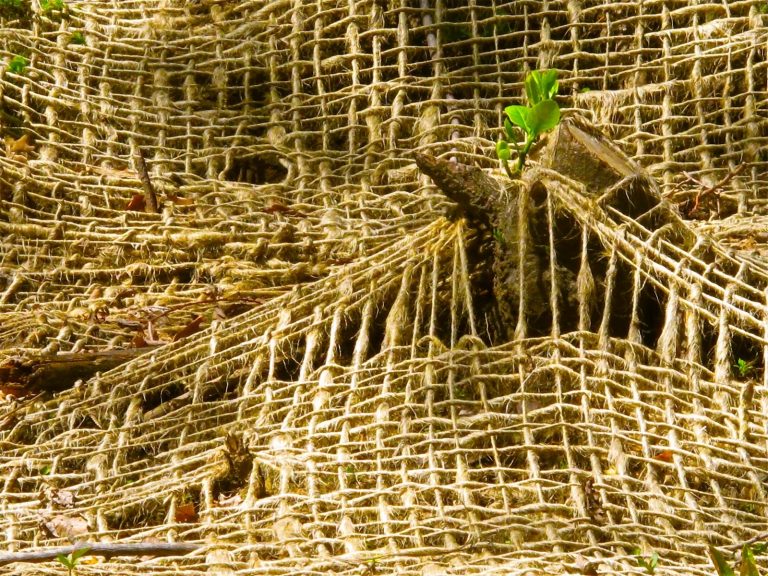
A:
[316,382]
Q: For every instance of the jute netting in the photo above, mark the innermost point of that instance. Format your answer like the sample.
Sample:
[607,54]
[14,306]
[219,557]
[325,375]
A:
[296,364]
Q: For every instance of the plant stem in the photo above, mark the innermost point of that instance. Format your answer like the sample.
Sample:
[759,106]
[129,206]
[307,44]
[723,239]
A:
[507,170]
[524,153]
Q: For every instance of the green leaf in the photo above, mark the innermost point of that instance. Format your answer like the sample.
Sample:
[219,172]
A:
[654,561]
[509,129]
[532,90]
[518,115]
[548,85]
[79,553]
[543,117]
[759,547]
[748,566]
[64,559]
[17,64]
[502,150]
[720,563]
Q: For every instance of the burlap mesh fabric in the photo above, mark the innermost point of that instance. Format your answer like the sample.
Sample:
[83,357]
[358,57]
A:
[345,407]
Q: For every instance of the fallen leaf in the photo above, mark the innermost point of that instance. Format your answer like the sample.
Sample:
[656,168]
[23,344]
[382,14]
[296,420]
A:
[66,527]
[20,146]
[179,201]
[186,513]
[664,456]
[138,340]
[189,329]
[62,498]
[280,208]
[231,501]
[137,203]
[15,390]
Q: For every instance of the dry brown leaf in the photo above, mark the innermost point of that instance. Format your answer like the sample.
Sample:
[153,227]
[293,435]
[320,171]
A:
[186,513]
[62,498]
[179,201]
[72,528]
[189,329]
[20,146]
[664,456]
[12,389]
[137,203]
[138,340]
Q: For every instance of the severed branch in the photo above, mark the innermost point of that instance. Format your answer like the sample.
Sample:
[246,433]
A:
[105,549]
[55,373]
[149,190]
[477,194]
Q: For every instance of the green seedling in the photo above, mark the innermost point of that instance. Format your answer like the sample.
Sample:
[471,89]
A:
[648,563]
[70,561]
[18,64]
[541,115]
[13,8]
[744,367]
[77,38]
[747,566]
[48,6]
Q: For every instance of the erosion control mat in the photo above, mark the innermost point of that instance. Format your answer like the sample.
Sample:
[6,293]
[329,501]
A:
[309,359]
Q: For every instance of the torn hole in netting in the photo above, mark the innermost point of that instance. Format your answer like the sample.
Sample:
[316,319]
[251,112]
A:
[256,168]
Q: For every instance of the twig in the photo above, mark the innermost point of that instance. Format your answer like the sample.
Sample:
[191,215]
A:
[717,186]
[106,549]
[149,190]
[704,189]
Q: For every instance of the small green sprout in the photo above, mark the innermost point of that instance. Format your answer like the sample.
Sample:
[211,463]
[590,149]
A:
[744,367]
[70,561]
[50,5]
[13,8]
[351,474]
[18,64]
[747,566]
[541,115]
[77,38]
[649,563]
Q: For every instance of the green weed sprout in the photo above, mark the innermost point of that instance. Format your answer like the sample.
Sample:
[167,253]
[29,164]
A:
[48,6]
[77,38]
[70,561]
[541,115]
[649,563]
[12,8]
[18,64]
[744,367]
[746,567]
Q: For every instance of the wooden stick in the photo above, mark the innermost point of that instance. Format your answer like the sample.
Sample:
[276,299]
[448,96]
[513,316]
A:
[106,549]
[56,373]
[477,194]
[149,190]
